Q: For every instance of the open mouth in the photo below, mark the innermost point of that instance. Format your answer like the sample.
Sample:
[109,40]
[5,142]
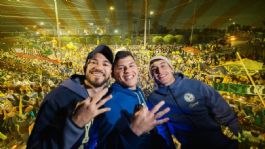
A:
[161,77]
[128,77]
[97,74]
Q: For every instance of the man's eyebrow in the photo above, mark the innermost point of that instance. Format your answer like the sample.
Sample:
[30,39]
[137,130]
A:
[163,62]
[107,61]
[132,62]
[152,65]
[120,65]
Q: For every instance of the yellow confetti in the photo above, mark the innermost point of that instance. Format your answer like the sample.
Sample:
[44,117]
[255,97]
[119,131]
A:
[14,147]
[31,127]
[2,136]
[20,106]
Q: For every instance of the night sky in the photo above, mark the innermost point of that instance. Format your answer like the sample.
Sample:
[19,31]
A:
[127,16]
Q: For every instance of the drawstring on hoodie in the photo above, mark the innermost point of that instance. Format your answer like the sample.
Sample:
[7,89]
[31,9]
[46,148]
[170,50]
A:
[141,98]
[86,136]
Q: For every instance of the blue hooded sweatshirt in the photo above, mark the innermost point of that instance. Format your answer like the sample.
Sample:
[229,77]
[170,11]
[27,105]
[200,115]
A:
[113,126]
[196,115]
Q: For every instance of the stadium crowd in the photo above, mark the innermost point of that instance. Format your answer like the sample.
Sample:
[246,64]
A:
[26,80]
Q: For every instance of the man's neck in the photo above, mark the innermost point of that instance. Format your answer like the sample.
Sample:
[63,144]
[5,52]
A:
[92,91]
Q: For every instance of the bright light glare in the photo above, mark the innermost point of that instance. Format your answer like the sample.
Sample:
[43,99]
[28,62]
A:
[111,8]
[233,38]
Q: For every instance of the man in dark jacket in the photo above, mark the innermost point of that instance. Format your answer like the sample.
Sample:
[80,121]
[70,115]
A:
[128,123]
[197,110]
[67,111]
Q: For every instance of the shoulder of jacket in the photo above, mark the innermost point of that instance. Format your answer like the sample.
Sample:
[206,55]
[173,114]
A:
[189,81]
[153,96]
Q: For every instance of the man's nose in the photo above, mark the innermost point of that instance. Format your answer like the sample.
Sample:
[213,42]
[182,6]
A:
[126,69]
[99,66]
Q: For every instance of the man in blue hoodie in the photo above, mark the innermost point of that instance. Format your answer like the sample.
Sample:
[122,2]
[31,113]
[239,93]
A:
[197,111]
[129,123]
[67,111]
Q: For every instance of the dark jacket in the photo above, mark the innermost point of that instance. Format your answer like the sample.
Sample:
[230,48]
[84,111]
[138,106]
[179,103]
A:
[53,127]
[196,115]
[113,126]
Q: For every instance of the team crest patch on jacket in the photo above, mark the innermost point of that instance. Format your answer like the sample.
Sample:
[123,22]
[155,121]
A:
[189,97]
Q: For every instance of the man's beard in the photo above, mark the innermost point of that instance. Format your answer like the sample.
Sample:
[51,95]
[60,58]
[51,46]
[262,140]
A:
[96,82]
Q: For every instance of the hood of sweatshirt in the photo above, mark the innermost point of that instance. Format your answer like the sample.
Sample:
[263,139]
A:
[75,84]
[116,87]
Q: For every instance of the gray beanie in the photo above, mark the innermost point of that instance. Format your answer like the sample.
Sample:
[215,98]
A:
[159,58]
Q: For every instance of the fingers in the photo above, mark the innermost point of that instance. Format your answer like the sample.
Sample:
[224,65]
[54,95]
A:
[86,101]
[103,110]
[143,111]
[161,121]
[83,103]
[162,113]
[99,95]
[103,101]
[158,106]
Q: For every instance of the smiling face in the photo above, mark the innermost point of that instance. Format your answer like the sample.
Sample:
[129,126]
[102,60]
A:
[98,71]
[126,72]
[162,72]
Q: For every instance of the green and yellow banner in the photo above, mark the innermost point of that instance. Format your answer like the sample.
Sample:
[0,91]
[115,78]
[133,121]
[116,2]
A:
[236,67]
[239,88]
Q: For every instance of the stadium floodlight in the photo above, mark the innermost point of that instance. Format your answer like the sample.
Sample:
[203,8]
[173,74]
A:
[111,8]
[151,13]
[116,31]
[149,24]
[232,38]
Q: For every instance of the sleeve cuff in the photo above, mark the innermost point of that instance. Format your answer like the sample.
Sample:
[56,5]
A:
[72,133]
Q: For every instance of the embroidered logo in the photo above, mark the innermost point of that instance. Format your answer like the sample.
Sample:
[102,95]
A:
[189,97]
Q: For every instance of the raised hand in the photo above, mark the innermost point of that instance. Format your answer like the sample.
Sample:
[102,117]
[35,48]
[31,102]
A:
[145,120]
[89,108]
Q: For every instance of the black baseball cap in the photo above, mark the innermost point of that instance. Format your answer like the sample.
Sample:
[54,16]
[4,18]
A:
[103,49]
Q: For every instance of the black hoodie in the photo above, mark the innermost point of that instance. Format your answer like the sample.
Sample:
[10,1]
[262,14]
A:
[53,127]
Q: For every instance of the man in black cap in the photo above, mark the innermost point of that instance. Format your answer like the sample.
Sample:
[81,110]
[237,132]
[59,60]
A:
[68,110]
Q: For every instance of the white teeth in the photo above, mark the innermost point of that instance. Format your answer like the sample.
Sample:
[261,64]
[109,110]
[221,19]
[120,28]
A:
[162,76]
[97,73]
[128,77]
